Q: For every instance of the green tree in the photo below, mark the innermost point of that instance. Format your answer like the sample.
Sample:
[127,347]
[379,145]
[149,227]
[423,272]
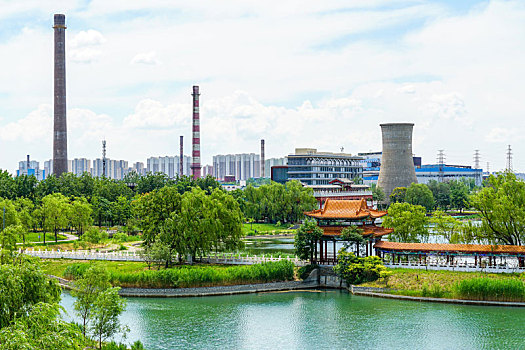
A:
[441,193]
[8,239]
[87,289]
[11,215]
[398,195]
[42,329]
[25,186]
[56,208]
[80,215]
[459,195]
[419,194]
[378,194]
[107,309]
[447,226]
[23,285]
[306,239]
[25,208]
[7,185]
[502,208]
[408,221]
[353,235]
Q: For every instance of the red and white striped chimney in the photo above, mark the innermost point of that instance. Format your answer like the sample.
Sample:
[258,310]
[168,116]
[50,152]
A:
[196,151]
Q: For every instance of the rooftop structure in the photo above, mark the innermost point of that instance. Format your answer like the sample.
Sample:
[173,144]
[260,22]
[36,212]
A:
[341,189]
[397,165]
[318,168]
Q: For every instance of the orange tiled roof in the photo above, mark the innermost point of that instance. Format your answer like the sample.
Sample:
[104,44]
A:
[345,209]
[450,248]
[368,230]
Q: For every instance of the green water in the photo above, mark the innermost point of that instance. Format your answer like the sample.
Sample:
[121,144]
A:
[317,320]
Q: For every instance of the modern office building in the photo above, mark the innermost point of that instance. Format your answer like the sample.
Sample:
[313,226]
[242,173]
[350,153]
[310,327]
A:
[318,168]
[242,166]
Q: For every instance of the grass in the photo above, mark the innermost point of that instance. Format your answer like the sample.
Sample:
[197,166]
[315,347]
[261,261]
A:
[443,284]
[33,237]
[266,229]
[491,289]
[136,274]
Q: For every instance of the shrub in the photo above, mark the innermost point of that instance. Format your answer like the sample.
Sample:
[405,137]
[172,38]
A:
[120,237]
[93,235]
[356,270]
[435,291]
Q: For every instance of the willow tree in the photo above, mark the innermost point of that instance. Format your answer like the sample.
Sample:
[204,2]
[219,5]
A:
[408,221]
[502,208]
[306,239]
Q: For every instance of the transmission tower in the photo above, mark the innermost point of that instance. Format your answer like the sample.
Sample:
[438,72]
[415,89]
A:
[509,159]
[476,159]
[103,158]
[441,164]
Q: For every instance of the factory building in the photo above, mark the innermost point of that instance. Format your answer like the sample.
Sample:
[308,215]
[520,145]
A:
[447,173]
[319,168]
[31,168]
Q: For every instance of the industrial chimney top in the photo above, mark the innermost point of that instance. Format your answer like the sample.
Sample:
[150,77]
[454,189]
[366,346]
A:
[60,19]
[387,124]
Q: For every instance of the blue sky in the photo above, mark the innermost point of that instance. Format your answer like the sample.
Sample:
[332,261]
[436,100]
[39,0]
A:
[296,73]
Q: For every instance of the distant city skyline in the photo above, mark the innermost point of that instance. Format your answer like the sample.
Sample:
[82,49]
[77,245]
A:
[299,74]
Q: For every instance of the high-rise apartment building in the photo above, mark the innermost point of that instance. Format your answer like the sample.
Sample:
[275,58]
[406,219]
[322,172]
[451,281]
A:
[169,165]
[243,166]
[80,166]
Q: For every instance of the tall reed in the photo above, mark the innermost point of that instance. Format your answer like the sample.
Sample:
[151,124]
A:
[491,289]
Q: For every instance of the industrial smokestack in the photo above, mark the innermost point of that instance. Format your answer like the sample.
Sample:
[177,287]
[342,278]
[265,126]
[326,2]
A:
[397,164]
[28,165]
[262,158]
[181,157]
[60,125]
[196,144]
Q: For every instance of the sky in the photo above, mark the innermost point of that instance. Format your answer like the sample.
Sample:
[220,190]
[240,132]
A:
[297,73]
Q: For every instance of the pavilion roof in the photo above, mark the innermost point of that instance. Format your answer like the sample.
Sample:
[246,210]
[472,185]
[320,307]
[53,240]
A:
[450,248]
[345,209]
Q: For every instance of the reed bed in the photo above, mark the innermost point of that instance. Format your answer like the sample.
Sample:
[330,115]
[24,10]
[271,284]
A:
[491,289]
[194,276]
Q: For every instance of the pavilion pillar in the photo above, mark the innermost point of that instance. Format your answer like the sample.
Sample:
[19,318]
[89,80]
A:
[366,248]
[321,250]
[326,250]
[335,252]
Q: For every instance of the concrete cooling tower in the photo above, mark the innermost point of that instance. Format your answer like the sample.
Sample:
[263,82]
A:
[397,165]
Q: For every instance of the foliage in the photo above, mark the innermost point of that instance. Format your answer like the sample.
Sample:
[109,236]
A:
[441,193]
[356,270]
[194,276]
[434,291]
[88,288]
[353,235]
[491,289]
[42,329]
[56,210]
[80,214]
[398,195]
[305,240]
[447,226]
[157,253]
[408,221]
[419,194]
[107,308]
[502,208]
[459,195]
[24,285]
[120,237]
[378,194]
[277,202]
[193,223]
[94,235]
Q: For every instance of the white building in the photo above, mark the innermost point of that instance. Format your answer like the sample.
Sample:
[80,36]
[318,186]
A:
[169,165]
[80,166]
[243,166]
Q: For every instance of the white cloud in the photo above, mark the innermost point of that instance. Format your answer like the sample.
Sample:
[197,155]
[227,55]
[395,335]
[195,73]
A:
[89,37]
[36,125]
[149,58]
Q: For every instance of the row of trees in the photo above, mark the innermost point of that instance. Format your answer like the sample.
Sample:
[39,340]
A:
[435,195]
[276,202]
[501,204]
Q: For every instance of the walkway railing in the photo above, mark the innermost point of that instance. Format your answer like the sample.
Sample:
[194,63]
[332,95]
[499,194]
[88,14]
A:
[215,258]
[459,266]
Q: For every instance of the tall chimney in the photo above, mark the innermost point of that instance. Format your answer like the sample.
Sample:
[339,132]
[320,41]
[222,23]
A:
[196,151]
[28,165]
[60,125]
[262,158]
[397,164]
[181,157]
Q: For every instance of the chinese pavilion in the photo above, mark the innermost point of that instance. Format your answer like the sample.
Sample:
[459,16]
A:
[338,214]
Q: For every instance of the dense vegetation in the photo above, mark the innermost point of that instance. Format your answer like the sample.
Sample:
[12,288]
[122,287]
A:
[357,270]
[135,275]
[491,289]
